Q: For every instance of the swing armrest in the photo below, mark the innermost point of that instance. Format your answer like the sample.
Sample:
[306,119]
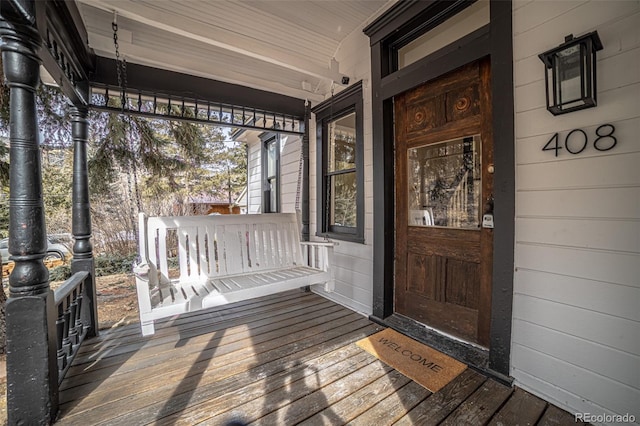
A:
[320,243]
[146,279]
[318,254]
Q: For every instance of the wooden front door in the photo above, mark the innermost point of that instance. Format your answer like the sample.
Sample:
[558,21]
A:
[444,190]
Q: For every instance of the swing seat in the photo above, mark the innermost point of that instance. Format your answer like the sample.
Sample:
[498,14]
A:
[222,259]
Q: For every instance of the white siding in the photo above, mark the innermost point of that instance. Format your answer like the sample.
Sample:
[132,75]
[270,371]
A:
[576,308]
[290,147]
[353,261]
[290,150]
[254,195]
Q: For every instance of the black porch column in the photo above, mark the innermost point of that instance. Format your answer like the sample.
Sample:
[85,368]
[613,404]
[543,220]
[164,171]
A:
[32,373]
[81,227]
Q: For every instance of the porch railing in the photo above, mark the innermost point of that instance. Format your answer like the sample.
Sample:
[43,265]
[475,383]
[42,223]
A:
[71,327]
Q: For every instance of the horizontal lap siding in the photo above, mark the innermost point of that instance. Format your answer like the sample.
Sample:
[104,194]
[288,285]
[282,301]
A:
[289,169]
[353,261]
[290,147]
[576,320]
[254,196]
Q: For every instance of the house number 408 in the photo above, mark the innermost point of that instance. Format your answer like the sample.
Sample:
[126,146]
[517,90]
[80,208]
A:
[577,140]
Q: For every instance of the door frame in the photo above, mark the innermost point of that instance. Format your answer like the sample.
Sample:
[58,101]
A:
[494,40]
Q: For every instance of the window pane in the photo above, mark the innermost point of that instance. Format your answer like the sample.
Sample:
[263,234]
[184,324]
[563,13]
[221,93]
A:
[456,27]
[271,158]
[342,143]
[444,184]
[273,191]
[343,199]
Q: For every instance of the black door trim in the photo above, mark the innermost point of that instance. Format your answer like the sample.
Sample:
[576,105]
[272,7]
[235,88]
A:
[495,40]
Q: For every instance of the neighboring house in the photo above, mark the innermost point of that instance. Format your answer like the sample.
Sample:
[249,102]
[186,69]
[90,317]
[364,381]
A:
[467,215]
[204,204]
[241,201]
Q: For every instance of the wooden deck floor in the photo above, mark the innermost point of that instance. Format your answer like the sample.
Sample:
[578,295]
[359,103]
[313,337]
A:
[283,359]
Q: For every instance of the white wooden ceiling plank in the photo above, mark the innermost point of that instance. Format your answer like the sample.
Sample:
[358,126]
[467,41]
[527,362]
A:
[196,64]
[260,25]
[282,37]
[334,19]
[147,35]
[154,40]
[165,22]
[259,32]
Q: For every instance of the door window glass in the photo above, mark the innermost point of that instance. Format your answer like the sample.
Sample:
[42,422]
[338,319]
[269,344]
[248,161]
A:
[444,184]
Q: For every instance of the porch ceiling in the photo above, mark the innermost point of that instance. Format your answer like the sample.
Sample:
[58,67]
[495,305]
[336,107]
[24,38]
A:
[285,47]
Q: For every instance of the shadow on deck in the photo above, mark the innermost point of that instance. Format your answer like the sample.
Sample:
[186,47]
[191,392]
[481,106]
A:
[283,359]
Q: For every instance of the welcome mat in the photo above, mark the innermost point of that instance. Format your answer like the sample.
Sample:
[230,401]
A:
[422,364]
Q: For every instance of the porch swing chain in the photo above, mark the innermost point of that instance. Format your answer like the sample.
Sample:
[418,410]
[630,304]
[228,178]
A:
[301,162]
[121,72]
[134,165]
[119,63]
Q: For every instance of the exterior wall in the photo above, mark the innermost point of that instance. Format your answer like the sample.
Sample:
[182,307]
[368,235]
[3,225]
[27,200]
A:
[254,180]
[353,261]
[576,337]
[290,146]
[576,340]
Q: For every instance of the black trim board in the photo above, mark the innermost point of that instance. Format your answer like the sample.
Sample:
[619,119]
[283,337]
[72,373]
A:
[65,51]
[407,18]
[504,184]
[155,80]
[267,138]
[498,45]
[473,46]
[338,102]
[347,101]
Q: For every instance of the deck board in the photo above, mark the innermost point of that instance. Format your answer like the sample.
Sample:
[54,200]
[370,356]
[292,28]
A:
[480,406]
[436,408]
[360,401]
[553,416]
[281,359]
[522,409]
[393,407]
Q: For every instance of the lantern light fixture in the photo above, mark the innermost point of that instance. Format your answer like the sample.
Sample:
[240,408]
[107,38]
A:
[570,73]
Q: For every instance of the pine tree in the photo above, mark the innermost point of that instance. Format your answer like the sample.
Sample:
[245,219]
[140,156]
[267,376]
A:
[134,163]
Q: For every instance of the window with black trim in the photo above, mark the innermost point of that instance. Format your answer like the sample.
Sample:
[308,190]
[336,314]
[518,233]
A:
[271,173]
[340,162]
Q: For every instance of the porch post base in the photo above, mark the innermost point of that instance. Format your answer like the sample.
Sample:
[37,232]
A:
[90,313]
[32,370]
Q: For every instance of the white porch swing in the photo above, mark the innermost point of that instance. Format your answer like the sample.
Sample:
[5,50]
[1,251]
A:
[220,259]
[223,259]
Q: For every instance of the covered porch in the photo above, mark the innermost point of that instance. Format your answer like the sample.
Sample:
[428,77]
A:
[48,41]
[282,359]
[291,357]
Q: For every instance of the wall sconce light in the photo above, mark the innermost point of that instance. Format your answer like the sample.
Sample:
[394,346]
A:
[570,73]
